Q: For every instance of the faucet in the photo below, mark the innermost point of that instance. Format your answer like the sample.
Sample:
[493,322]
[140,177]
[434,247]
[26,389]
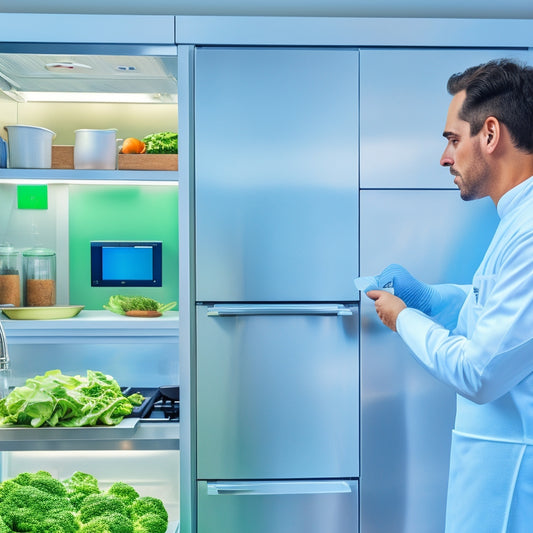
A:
[4,356]
[5,370]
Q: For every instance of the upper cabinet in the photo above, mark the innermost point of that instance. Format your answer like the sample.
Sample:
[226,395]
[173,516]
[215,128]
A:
[404,103]
[70,72]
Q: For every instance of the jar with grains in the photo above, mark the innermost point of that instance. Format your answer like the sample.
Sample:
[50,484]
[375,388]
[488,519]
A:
[9,275]
[39,277]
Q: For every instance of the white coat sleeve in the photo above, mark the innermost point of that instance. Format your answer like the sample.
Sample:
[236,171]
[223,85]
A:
[498,352]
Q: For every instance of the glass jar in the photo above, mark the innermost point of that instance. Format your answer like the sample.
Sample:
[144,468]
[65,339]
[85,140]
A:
[9,275]
[39,268]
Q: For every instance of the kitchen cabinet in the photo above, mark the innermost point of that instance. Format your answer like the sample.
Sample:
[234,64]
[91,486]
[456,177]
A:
[138,353]
[68,72]
[96,340]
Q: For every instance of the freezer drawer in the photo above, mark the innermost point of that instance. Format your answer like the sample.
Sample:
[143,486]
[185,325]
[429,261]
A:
[278,507]
[276,156]
[277,392]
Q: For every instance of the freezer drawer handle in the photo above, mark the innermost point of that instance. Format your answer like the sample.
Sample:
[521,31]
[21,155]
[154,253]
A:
[257,488]
[278,309]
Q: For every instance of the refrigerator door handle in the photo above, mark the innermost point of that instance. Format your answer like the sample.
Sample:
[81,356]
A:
[258,488]
[278,309]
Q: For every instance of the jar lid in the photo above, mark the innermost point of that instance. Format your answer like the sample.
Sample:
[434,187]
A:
[37,251]
[7,249]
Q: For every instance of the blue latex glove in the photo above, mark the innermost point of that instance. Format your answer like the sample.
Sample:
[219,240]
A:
[413,292]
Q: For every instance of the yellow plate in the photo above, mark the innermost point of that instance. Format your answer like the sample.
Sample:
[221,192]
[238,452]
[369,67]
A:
[42,313]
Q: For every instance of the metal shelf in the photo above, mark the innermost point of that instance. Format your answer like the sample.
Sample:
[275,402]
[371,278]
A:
[130,434]
[67,175]
[94,327]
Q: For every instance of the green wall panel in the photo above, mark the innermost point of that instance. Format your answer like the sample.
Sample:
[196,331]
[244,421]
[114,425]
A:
[118,213]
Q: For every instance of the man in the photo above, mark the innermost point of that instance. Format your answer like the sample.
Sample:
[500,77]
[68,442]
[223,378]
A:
[479,339]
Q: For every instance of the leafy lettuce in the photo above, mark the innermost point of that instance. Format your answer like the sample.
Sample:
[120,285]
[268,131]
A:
[165,142]
[56,399]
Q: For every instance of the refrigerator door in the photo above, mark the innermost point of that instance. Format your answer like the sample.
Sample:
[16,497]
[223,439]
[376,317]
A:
[277,392]
[278,507]
[276,152]
[406,414]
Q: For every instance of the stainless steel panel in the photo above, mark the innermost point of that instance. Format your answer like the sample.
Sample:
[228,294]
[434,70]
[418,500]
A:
[94,28]
[403,111]
[276,137]
[278,507]
[365,28]
[407,415]
[277,396]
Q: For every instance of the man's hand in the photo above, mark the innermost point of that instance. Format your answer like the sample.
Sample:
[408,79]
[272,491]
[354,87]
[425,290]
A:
[388,307]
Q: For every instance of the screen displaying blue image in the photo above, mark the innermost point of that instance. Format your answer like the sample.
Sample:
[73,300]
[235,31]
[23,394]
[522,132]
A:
[127,263]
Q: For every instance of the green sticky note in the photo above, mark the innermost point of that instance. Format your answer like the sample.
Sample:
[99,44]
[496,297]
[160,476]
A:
[32,196]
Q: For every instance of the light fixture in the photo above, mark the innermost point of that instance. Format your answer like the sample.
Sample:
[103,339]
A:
[133,98]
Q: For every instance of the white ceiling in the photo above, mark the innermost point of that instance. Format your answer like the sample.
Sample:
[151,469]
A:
[335,8]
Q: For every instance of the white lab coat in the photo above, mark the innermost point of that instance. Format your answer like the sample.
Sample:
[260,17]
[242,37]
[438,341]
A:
[488,359]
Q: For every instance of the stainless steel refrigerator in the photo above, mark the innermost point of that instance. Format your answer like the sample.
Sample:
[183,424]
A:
[277,319]
[411,213]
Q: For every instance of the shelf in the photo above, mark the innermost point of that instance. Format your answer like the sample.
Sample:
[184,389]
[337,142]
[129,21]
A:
[53,174]
[130,434]
[93,327]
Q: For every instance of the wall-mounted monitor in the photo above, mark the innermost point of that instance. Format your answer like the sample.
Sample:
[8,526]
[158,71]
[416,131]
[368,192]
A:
[126,264]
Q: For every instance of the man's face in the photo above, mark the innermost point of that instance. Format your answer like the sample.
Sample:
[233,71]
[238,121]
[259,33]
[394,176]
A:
[463,154]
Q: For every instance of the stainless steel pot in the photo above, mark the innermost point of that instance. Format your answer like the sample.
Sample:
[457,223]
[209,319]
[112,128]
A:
[29,146]
[95,149]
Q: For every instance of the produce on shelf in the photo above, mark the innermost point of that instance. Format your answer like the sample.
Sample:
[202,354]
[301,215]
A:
[165,142]
[36,502]
[56,399]
[122,304]
[131,145]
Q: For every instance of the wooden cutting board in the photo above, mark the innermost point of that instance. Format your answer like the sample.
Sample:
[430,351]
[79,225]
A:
[144,314]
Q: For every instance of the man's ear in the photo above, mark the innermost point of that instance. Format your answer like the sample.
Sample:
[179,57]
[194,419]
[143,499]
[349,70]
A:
[490,133]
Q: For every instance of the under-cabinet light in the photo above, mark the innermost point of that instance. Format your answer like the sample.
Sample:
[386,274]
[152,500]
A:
[134,98]
[95,181]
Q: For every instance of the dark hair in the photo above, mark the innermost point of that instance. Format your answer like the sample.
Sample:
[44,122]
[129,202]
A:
[503,89]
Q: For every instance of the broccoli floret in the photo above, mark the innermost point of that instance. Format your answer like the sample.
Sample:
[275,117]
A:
[150,523]
[6,487]
[109,523]
[123,491]
[25,507]
[79,486]
[60,522]
[4,528]
[49,526]
[44,481]
[23,519]
[96,505]
[148,504]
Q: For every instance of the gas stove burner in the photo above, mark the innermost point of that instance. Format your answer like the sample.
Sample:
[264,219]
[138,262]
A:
[160,404]
[171,392]
[171,411]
